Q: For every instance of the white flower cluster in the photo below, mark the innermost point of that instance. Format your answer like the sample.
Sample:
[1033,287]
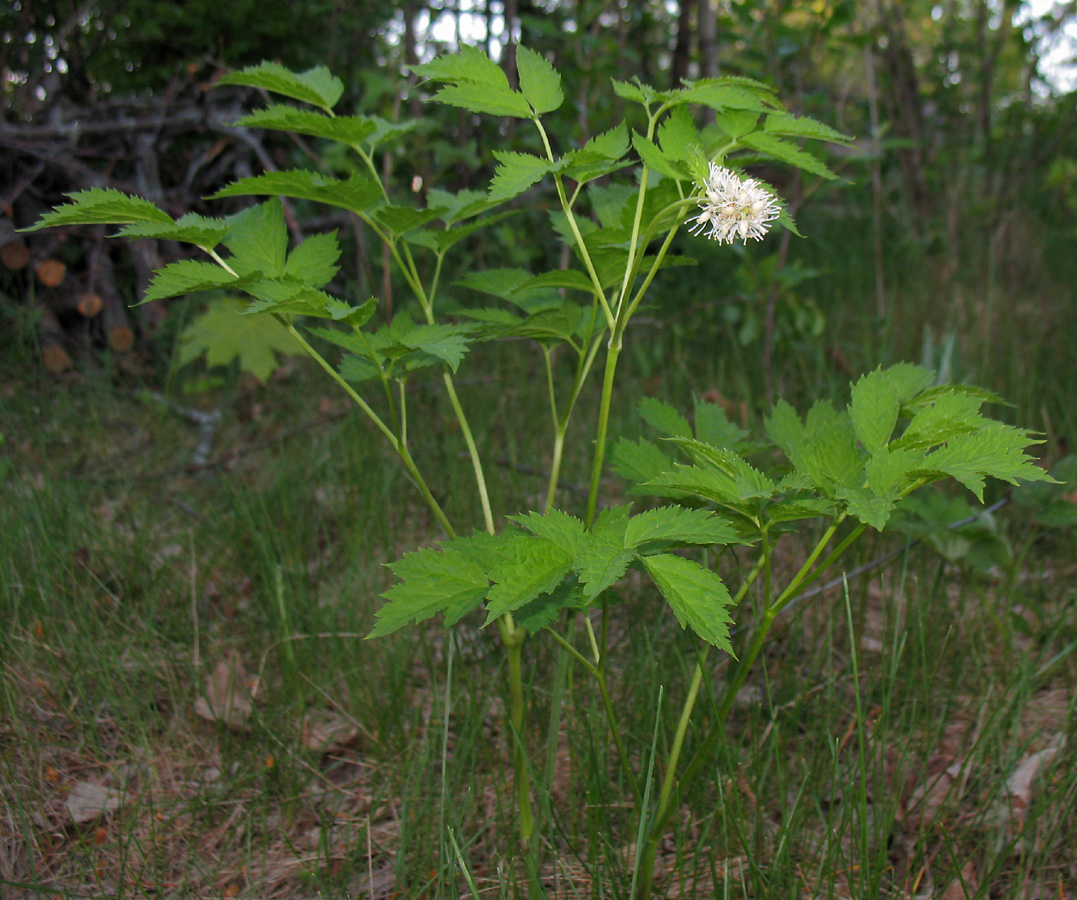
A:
[732,208]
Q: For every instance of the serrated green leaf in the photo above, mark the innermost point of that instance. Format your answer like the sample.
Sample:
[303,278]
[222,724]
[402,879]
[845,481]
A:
[546,325]
[385,131]
[638,461]
[221,336]
[190,229]
[679,525]
[602,557]
[703,482]
[737,123]
[559,528]
[258,239]
[823,448]
[721,95]
[448,343]
[289,296]
[190,277]
[533,566]
[539,81]
[314,261]
[678,134]
[570,279]
[795,509]
[712,426]
[803,126]
[866,506]
[874,410]
[995,451]
[503,283]
[399,220]
[696,595]
[664,418]
[357,193]
[102,206]
[788,152]
[516,173]
[749,481]
[784,427]
[628,91]
[698,165]
[612,144]
[459,206]
[489,99]
[601,155]
[434,581]
[951,414]
[544,610]
[345,129]
[892,470]
[655,160]
[317,86]
[487,550]
[469,64]
[831,454]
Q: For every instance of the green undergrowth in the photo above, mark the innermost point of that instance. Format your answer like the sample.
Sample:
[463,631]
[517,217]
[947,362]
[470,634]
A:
[187,638]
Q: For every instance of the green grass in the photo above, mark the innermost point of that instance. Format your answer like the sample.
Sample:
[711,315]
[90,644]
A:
[869,754]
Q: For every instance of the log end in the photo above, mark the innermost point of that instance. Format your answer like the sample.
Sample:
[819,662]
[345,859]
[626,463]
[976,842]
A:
[89,305]
[50,272]
[15,256]
[121,338]
[55,359]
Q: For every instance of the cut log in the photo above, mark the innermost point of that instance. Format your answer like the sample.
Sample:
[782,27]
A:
[50,272]
[89,305]
[117,324]
[54,357]
[15,256]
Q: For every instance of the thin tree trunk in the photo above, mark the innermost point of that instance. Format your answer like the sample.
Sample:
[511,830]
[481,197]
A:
[707,15]
[903,98]
[682,50]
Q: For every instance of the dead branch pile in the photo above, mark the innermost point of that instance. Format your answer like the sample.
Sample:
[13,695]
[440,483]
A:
[173,149]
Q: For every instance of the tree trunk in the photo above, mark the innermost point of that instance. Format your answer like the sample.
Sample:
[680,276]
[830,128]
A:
[678,69]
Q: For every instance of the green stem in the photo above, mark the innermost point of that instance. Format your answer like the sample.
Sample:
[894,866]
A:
[603,427]
[400,448]
[473,452]
[573,652]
